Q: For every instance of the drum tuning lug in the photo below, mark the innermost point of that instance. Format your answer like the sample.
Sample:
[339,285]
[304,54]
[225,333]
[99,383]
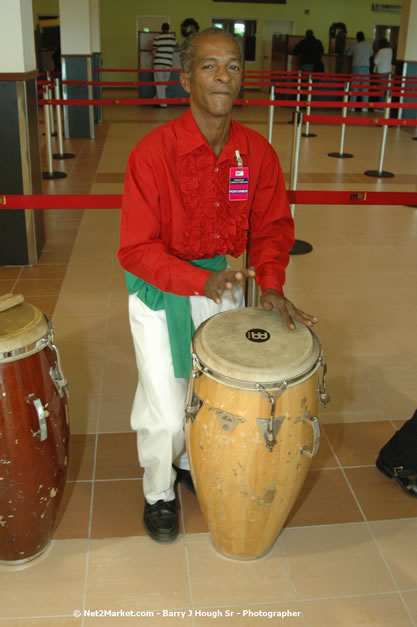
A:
[42,414]
[311,420]
[269,427]
[56,372]
[324,398]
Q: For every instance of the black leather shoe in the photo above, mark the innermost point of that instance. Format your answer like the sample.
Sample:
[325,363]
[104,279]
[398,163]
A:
[405,477]
[161,520]
[184,477]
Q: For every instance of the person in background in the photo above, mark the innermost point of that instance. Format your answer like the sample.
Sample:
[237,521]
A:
[361,52]
[310,51]
[181,215]
[163,48]
[398,458]
[383,65]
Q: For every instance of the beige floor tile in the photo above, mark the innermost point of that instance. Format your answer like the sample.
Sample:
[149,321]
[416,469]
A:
[218,581]
[382,610]
[138,574]
[156,618]
[194,521]
[325,498]
[83,405]
[251,616]
[117,456]
[74,518]
[118,509]
[60,571]
[335,560]
[324,457]
[115,413]
[410,599]
[82,451]
[37,287]
[396,541]
[33,622]
[380,497]
[359,444]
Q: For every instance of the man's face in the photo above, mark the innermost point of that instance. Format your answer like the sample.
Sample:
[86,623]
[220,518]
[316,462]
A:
[214,80]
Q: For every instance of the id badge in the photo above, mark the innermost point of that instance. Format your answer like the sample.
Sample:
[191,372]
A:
[239,183]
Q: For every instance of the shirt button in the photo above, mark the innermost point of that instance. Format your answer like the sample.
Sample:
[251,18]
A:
[196,293]
[216,169]
[216,204]
[216,236]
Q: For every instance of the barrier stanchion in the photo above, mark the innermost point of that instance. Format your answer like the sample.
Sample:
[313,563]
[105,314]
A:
[300,247]
[51,110]
[341,154]
[380,173]
[308,111]
[61,154]
[50,174]
[402,86]
[298,96]
[271,116]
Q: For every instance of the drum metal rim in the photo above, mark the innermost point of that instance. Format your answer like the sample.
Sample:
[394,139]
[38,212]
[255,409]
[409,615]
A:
[25,351]
[242,384]
[29,349]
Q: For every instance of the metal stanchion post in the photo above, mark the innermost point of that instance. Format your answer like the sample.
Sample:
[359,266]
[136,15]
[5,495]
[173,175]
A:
[47,116]
[51,110]
[61,154]
[308,110]
[298,97]
[341,154]
[300,247]
[271,116]
[380,173]
[403,81]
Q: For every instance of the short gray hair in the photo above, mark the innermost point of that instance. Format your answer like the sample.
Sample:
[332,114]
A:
[187,50]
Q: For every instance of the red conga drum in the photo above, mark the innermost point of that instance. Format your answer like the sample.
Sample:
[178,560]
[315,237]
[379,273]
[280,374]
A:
[34,431]
[251,424]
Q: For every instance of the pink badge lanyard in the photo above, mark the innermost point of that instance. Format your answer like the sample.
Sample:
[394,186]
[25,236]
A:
[239,180]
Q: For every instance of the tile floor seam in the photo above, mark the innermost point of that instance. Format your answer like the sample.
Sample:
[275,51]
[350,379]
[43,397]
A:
[287,563]
[90,523]
[398,589]
[187,566]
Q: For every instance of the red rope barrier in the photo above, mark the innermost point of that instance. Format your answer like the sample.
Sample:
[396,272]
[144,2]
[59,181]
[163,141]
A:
[113,201]
[336,119]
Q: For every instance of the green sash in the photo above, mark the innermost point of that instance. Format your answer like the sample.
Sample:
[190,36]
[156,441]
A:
[178,313]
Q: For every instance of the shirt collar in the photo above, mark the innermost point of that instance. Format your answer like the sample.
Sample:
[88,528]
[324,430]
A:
[190,138]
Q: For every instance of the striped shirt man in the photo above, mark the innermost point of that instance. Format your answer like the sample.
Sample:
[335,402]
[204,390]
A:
[164,46]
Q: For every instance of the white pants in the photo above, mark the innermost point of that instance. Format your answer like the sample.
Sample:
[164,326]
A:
[158,408]
[161,76]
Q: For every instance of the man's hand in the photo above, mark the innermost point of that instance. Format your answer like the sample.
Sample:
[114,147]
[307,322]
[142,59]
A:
[224,280]
[272,299]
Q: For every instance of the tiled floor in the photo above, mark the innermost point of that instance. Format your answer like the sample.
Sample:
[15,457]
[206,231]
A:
[347,554]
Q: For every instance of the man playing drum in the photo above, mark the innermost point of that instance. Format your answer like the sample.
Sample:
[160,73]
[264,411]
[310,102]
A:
[197,188]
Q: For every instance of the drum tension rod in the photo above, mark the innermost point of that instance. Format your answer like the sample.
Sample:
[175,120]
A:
[270,426]
[324,397]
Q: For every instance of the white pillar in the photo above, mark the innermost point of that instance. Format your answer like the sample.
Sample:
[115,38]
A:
[17,43]
[21,231]
[76,61]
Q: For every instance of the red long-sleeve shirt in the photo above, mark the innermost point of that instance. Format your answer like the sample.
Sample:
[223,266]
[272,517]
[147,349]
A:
[176,207]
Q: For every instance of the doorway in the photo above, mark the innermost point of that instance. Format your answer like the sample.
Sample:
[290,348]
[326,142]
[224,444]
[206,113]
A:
[275,30]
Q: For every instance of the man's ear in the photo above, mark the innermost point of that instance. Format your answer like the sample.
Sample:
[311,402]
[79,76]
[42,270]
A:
[185,81]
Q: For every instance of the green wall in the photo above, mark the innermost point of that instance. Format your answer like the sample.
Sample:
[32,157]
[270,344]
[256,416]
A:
[118,21]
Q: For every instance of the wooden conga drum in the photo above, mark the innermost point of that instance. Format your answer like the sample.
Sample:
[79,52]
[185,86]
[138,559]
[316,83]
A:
[34,431]
[251,424]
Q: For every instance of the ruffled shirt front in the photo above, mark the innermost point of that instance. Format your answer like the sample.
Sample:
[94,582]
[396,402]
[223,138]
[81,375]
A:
[176,208]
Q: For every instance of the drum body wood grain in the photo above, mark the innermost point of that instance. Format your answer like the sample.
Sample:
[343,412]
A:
[34,434]
[250,449]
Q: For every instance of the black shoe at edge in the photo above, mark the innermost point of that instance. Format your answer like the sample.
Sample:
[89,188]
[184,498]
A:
[161,520]
[405,477]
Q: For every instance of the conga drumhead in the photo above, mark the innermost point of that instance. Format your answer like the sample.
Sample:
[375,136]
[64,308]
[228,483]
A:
[20,328]
[255,346]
